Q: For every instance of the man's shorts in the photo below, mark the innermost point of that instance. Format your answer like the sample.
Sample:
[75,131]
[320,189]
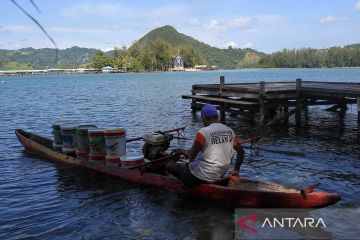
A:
[187,177]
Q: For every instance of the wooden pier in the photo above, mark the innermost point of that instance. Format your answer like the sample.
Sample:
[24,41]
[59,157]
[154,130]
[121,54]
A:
[261,102]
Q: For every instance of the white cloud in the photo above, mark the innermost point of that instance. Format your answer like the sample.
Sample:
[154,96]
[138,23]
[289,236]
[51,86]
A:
[331,19]
[18,28]
[231,44]
[357,5]
[114,10]
[116,28]
[79,30]
[194,22]
[97,9]
[239,22]
[212,24]
[108,49]
[171,12]
[248,45]
[215,25]
[59,29]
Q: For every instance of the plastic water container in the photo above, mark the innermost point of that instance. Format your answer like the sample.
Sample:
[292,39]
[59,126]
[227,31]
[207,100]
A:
[57,133]
[97,159]
[83,138]
[68,133]
[129,161]
[57,147]
[97,142]
[112,161]
[115,141]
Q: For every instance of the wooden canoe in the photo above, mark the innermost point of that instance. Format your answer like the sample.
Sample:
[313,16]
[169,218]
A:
[236,191]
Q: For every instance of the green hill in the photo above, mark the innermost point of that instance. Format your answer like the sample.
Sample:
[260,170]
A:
[30,58]
[223,58]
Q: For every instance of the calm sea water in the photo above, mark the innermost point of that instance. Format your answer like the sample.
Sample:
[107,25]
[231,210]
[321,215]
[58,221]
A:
[40,199]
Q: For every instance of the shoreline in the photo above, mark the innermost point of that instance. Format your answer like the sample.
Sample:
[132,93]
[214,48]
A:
[47,72]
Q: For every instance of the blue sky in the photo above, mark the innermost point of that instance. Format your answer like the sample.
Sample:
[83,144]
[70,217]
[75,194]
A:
[265,25]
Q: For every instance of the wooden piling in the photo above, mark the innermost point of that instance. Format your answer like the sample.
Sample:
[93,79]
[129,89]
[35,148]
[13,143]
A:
[286,110]
[262,102]
[343,106]
[222,105]
[193,102]
[358,113]
[298,102]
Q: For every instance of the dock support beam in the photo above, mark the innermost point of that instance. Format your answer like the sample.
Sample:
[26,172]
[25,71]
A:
[358,113]
[222,105]
[341,104]
[286,110]
[193,102]
[261,102]
[298,102]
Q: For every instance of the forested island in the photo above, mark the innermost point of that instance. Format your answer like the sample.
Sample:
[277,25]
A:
[158,48]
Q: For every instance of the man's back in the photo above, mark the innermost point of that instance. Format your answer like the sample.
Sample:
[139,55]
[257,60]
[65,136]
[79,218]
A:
[214,159]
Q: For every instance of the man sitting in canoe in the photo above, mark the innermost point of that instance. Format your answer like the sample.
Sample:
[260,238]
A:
[211,153]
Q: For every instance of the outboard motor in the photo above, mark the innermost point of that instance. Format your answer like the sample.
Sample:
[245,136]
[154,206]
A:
[155,144]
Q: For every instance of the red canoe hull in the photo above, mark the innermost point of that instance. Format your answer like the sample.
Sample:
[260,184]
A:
[230,195]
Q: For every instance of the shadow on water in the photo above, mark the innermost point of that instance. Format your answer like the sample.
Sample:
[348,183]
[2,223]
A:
[141,212]
[324,149]
[146,212]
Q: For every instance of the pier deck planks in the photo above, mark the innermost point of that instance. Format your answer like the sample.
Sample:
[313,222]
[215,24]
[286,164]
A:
[248,96]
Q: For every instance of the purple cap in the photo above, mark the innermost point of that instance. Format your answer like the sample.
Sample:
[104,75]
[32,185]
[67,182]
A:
[209,110]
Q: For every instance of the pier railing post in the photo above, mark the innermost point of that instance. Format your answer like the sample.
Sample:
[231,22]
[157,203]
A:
[262,102]
[193,102]
[298,102]
[222,107]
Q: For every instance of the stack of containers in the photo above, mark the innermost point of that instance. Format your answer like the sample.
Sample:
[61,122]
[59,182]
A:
[115,141]
[57,144]
[83,147]
[68,134]
[97,146]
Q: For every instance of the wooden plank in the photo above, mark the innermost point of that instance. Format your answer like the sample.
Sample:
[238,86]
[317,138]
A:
[334,94]
[226,89]
[344,88]
[317,103]
[340,83]
[281,96]
[219,100]
[227,94]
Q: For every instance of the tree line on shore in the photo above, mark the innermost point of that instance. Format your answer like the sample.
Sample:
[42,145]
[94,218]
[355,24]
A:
[157,56]
[348,56]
